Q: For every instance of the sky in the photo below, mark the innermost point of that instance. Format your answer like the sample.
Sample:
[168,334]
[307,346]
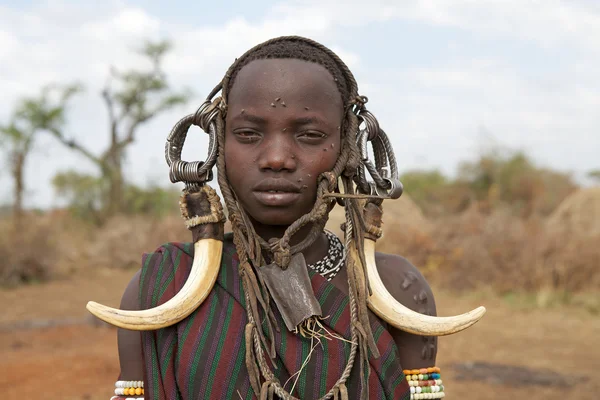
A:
[445,78]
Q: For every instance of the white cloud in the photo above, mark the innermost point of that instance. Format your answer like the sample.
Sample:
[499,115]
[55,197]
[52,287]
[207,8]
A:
[127,22]
[549,22]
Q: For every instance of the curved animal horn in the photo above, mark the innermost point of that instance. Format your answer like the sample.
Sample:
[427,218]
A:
[203,214]
[401,317]
[203,275]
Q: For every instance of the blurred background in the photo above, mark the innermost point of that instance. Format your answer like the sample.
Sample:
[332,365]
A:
[492,108]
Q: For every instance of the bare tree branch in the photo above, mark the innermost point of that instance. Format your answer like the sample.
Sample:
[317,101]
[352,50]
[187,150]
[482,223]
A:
[75,146]
[165,104]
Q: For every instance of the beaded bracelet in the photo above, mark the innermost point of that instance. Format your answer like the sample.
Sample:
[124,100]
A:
[128,388]
[425,383]
[129,384]
[130,391]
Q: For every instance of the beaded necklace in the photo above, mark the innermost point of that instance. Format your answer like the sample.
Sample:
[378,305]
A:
[331,264]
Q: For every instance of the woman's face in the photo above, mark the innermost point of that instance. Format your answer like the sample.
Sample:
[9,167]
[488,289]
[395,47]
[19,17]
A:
[282,131]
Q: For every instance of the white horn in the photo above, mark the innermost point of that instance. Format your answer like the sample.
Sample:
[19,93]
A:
[401,317]
[203,275]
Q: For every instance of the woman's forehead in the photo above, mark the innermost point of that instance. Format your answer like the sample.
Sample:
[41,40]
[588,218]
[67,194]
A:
[291,80]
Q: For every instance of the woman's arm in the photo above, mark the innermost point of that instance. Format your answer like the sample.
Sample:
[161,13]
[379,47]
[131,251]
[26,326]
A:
[406,284]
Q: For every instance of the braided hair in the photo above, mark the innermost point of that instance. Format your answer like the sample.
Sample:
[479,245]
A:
[299,49]
[251,247]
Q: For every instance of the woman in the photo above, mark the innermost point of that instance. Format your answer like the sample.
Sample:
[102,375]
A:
[287,316]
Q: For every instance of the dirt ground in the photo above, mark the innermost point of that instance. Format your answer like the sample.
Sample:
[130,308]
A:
[50,349]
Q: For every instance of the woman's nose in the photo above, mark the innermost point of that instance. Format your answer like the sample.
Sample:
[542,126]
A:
[277,155]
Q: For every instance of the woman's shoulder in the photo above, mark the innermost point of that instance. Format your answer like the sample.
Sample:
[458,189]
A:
[165,259]
[405,282]
[170,255]
[162,271]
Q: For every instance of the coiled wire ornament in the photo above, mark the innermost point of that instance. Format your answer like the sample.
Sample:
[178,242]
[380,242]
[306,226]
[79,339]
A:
[193,173]
[384,172]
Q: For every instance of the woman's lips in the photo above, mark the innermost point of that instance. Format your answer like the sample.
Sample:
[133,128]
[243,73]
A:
[275,198]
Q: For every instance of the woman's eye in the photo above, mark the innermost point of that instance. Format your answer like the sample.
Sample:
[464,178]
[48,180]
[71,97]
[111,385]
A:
[246,136]
[312,135]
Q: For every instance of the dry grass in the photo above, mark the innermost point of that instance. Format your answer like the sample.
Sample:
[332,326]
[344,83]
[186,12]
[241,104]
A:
[471,251]
[38,249]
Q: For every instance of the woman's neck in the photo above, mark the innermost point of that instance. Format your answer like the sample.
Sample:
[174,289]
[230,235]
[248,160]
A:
[313,253]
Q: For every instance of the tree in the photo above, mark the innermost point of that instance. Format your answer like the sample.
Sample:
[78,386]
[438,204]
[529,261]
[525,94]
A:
[132,98]
[423,186]
[511,178]
[435,193]
[29,117]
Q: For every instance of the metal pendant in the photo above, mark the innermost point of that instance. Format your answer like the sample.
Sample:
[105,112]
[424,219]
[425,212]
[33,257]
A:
[292,291]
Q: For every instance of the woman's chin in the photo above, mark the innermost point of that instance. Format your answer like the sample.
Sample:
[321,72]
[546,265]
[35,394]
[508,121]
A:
[276,217]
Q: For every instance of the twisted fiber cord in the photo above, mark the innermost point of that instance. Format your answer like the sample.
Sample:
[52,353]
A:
[272,384]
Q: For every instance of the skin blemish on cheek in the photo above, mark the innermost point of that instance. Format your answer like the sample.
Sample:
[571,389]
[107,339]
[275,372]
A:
[309,175]
[299,180]
[284,129]
[332,145]
[306,108]
[272,104]
[304,187]
[243,111]
[283,103]
[277,99]
[325,149]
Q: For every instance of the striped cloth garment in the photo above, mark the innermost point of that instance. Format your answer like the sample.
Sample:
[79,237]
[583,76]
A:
[203,356]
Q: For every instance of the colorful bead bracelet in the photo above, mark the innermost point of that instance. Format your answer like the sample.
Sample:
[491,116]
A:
[433,382]
[429,370]
[425,383]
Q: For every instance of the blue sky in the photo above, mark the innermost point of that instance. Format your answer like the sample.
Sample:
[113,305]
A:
[444,77]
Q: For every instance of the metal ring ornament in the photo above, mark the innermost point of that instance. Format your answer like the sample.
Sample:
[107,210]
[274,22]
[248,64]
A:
[372,131]
[385,171]
[206,114]
[371,123]
[363,184]
[381,166]
[193,173]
